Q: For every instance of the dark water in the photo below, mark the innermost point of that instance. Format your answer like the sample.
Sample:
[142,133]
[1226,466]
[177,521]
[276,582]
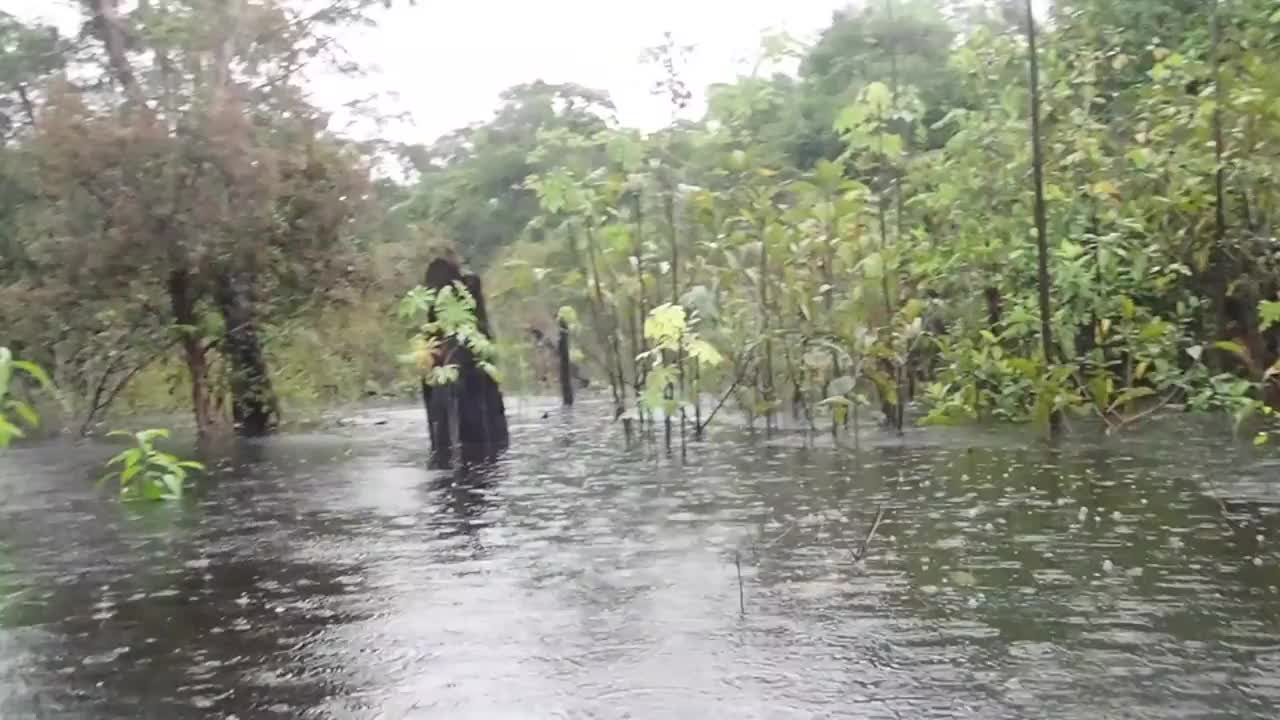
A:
[328,575]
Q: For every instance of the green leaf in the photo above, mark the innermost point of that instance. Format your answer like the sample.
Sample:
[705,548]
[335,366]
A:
[567,315]
[872,266]
[1234,348]
[841,386]
[1269,311]
[1128,395]
[24,411]
[491,370]
[146,437]
[35,371]
[878,97]
[122,457]
[704,352]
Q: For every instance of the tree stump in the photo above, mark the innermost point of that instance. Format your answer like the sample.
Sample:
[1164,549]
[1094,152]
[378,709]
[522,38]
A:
[466,419]
[566,365]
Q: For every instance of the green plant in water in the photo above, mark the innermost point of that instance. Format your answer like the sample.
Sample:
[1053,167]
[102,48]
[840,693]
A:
[147,474]
[15,413]
[672,332]
[452,325]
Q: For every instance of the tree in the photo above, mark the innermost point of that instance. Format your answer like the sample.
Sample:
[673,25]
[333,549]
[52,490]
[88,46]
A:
[472,180]
[1041,223]
[196,164]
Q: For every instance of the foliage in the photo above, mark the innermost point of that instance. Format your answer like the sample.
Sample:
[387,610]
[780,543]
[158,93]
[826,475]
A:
[675,340]
[471,181]
[15,413]
[445,323]
[144,473]
[171,201]
[859,231]
[888,248]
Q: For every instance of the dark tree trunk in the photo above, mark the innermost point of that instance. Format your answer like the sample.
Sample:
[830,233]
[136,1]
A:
[566,367]
[467,419]
[1042,232]
[1219,260]
[995,308]
[254,406]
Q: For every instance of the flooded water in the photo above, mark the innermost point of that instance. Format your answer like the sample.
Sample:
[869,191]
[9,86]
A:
[330,575]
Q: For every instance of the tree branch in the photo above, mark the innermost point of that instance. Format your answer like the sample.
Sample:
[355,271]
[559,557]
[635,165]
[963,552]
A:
[106,16]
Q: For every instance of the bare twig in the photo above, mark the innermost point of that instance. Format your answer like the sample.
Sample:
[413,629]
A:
[1154,408]
[100,405]
[861,552]
[781,535]
[742,598]
[744,368]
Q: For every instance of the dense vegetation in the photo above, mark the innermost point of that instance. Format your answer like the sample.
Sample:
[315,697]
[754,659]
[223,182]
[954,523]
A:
[179,227]
[865,231]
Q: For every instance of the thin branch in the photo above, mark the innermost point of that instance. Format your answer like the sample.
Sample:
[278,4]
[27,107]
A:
[861,552]
[1154,408]
[743,369]
[96,407]
[106,14]
[742,597]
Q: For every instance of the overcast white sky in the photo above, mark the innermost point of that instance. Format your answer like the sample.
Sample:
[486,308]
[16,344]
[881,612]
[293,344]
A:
[445,61]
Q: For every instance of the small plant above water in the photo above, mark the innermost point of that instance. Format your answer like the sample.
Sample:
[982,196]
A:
[14,413]
[147,474]
[452,325]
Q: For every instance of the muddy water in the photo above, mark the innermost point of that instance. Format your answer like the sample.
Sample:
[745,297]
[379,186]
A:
[329,575]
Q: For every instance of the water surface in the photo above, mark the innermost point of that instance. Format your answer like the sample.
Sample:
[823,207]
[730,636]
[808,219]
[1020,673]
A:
[328,574]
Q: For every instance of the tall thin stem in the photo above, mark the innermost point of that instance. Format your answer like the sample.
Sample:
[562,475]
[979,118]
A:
[1042,232]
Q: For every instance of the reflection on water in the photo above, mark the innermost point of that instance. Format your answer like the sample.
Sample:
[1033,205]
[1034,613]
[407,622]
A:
[333,576]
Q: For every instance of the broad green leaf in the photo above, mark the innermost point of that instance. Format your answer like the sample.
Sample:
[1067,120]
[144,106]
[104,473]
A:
[35,371]
[1234,348]
[842,385]
[878,97]
[25,412]
[1269,312]
[872,266]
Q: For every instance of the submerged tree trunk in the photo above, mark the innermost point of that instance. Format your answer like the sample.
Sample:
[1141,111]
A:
[255,408]
[566,367]
[466,419]
[182,300]
[890,369]
[1219,273]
